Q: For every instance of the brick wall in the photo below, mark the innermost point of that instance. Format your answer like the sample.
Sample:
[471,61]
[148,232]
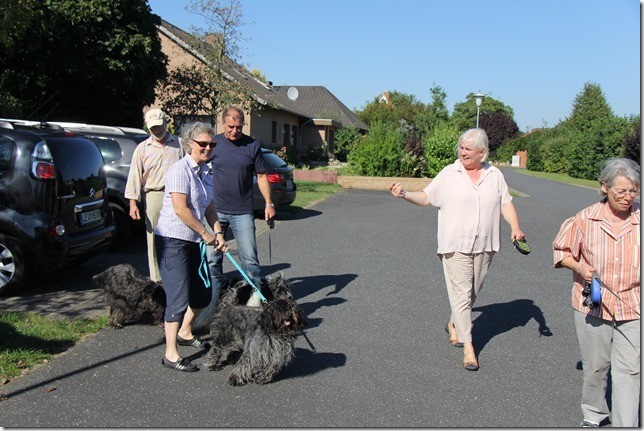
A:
[355,182]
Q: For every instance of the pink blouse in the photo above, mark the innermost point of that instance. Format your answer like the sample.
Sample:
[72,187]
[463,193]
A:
[614,253]
[469,215]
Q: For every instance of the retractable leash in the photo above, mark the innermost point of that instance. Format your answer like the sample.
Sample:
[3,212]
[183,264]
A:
[594,287]
[271,225]
[246,277]
[309,341]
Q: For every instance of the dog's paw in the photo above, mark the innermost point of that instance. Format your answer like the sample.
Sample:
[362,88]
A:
[216,367]
[236,381]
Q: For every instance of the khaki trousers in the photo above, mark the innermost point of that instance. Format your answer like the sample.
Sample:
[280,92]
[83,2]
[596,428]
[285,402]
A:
[153,201]
[464,277]
[614,347]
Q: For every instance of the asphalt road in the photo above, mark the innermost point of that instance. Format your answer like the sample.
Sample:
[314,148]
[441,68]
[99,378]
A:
[364,269]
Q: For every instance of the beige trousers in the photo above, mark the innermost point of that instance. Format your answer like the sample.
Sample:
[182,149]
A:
[153,201]
[464,277]
[610,347]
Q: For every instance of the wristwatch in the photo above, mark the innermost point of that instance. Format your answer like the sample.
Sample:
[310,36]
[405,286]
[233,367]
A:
[270,205]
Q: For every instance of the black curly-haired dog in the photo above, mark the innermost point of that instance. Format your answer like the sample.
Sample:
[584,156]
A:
[239,292]
[242,293]
[131,296]
[258,340]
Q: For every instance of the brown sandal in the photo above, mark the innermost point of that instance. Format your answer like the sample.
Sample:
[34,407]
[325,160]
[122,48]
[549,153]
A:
[454,341]
[471,365]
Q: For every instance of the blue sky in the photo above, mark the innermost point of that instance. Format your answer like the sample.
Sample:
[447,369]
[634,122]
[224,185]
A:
[534,56]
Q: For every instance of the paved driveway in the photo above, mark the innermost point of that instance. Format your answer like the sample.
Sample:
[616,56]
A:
[363,267]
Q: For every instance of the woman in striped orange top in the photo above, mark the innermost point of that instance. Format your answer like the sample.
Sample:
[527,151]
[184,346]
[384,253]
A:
[604,239]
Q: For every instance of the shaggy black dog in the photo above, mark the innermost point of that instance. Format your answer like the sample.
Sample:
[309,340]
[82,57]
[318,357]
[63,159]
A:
[259,340]
[239,292]
[131,296]
[242,293]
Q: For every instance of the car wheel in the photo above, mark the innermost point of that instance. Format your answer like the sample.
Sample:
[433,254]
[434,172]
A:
[13,271]
[123,228]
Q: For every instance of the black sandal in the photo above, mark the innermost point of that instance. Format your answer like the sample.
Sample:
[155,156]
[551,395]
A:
[195,342]
[182,364]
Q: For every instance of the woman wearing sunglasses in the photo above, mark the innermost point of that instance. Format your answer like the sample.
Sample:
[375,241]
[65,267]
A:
[188,200]
[603,241]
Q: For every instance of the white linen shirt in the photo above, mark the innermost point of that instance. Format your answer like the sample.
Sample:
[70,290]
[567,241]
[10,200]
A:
[469,215]
[185,177]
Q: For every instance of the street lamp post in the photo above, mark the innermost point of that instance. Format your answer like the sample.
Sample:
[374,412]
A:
[479,99]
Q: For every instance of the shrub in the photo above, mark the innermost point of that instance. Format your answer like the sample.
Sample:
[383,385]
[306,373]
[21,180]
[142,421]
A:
[345,139]
[379,153]
[505,152]
[439,148]
[317,153]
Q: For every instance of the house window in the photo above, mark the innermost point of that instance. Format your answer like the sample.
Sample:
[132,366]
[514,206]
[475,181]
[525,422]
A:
[286,133]
[293,135]
[274,132]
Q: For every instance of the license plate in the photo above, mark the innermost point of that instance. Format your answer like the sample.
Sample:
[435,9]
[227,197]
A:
[289,184]
[89,217]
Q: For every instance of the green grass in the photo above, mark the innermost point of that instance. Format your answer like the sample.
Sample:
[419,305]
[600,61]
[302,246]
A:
[28,340]
[308,193]
[561,178]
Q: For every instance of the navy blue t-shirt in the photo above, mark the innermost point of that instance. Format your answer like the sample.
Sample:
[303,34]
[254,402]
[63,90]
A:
[233,166]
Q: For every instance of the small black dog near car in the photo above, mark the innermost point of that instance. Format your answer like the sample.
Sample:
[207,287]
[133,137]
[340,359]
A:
[131,296]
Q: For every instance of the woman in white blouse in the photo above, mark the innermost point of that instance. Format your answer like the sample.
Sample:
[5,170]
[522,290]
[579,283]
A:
[471,195]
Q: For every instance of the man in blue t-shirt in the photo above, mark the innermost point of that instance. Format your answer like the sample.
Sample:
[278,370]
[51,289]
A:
[236,158]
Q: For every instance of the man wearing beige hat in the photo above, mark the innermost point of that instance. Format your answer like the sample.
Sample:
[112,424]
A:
[146,180]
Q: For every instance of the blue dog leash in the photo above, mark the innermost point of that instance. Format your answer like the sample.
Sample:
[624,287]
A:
[241,271]
[204,272]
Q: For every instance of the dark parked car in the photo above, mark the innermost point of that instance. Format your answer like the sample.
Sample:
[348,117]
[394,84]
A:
[117,145]
[280,177]
[53,202]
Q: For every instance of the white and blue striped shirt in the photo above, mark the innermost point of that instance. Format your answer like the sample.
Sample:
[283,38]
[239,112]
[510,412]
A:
[188,178]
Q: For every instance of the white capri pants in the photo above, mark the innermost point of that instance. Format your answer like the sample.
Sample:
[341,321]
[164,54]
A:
[464,277]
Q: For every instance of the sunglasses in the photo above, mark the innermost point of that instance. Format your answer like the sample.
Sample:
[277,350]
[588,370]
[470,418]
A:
[204,144]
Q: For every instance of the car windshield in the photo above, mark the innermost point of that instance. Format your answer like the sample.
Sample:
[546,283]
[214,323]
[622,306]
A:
[275,161]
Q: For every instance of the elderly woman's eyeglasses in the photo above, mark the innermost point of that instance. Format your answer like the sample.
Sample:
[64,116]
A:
[621,192]
[204,144]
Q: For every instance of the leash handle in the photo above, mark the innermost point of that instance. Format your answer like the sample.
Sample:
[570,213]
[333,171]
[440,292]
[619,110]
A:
[241,271]
[596,277]
[203,271]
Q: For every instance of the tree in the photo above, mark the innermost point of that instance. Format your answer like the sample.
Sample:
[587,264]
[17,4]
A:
[434,112]
[632,140]
[464,114]
[401,106]
[499,127]
[219,45]
[594,132]
[98,61]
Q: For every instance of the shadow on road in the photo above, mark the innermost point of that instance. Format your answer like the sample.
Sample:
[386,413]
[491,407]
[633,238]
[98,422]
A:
[495,319]
[308,363]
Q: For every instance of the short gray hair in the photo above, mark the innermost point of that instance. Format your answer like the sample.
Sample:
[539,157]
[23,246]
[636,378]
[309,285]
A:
[618,167]
[195,130]
[238,113]
[476,136]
